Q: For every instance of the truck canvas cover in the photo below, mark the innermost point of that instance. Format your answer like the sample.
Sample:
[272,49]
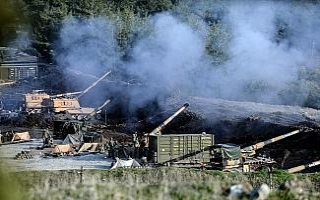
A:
[230,151]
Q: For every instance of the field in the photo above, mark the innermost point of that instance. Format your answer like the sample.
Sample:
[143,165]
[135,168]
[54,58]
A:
[160,183]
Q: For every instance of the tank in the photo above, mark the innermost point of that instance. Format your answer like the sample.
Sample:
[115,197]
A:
[70,101]
[38,101]
[33,101]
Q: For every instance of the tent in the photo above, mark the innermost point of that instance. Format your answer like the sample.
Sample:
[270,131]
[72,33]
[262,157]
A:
[21,136]
[63,148]
[90,147]
[74,139]
[131,163]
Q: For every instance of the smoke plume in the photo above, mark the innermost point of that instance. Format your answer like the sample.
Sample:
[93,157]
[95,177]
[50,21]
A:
[269,41]
[87,46]
[164,61]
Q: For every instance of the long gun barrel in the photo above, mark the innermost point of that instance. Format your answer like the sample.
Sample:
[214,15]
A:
[250,150]
[94,84]
[97,109]
[81,92]
[64,94]
[157,131]
[302,167]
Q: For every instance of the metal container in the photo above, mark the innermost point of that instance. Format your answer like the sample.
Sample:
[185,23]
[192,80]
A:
[180,148]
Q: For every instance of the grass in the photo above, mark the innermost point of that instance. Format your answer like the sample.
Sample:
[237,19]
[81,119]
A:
[160,183]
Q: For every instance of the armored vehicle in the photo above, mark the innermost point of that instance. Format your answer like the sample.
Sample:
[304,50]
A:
[65,124]
[200,150]
[33,102]
[38,101]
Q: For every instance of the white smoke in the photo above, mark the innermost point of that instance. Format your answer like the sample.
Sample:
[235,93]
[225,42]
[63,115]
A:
[164,61]
[88,46]
[258,63]
[172,57]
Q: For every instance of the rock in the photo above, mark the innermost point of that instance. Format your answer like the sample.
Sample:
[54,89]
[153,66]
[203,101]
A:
[260,193]
[296,187]
[239,191]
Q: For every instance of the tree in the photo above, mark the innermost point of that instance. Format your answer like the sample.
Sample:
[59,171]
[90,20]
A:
[11,17]
[217,43]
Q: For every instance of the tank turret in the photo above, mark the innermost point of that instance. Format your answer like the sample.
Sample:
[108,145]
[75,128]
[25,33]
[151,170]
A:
[65,94]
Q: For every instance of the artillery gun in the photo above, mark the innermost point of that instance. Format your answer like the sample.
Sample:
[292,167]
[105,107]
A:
[33,102]
[158,129]
[233,157]
[199,150]
[141,144]
[75,134]
[303,167]
[38,101]
[67,124]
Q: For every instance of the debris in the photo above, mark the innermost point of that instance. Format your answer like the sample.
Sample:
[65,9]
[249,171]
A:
[239,191]
[261,193]
[296,187]
[23,155]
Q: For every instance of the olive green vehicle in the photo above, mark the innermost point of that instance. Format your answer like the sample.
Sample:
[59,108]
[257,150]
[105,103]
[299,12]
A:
[200,150]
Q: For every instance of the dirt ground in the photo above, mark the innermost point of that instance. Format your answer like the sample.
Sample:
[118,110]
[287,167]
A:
[39,162]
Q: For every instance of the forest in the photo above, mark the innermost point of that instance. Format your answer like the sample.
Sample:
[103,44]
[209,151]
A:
[264,51]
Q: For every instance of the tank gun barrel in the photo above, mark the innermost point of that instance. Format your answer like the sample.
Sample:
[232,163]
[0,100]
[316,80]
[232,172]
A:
[64,94]
[97,109]
[81,92]
[251,149]
[157,131]
[302,167]
[94,84]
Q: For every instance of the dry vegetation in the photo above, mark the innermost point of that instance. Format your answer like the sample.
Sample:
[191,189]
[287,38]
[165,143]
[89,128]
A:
[161,183]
